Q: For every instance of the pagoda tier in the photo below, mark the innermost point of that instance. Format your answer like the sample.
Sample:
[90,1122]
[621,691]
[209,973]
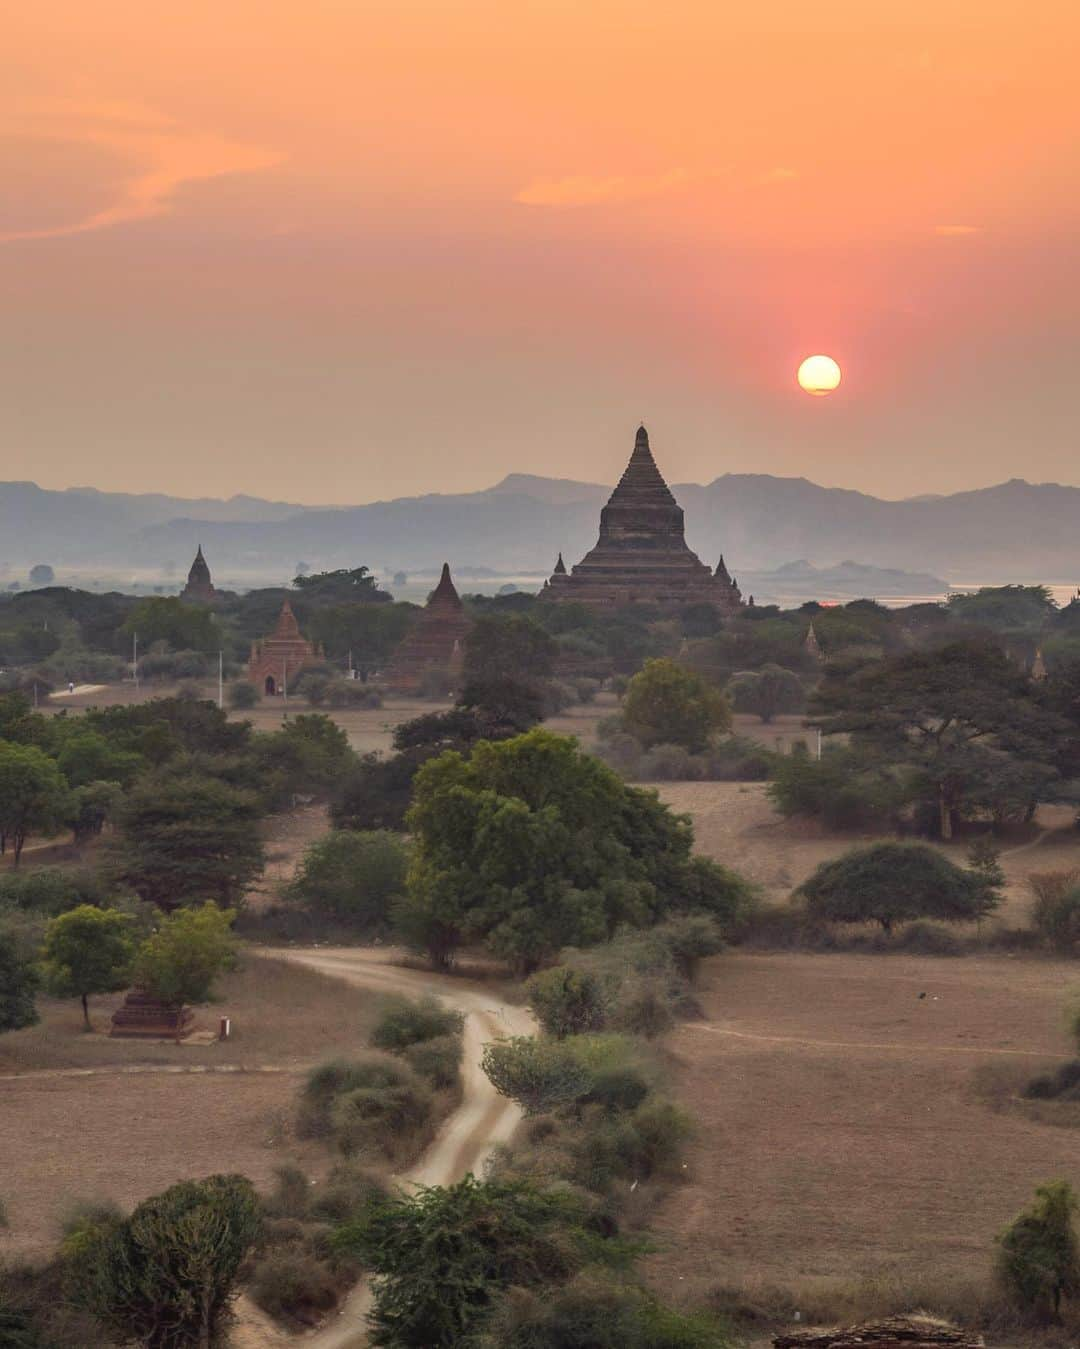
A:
[435,648]
[641,556]
[278,659]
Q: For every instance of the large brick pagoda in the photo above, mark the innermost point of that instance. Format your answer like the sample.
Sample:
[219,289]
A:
[435,648]
[200,586]
[641,556]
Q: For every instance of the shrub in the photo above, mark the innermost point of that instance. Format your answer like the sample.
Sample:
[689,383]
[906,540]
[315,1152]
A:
[537,1074]
[621,1087]
[643,1008]
[566,1001]
[638,1145]
[690,937]
[346,1192]
[353,876]
[380,1118]
[51,891]
[1039,1257]
[291,1195]
[670,763]
[438,1060]
[405,1023]
[1061,1085]
[242,694]
[293,1285]
[330,1080]
[1055,911]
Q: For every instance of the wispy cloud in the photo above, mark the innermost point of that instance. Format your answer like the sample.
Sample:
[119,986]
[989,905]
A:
[583,190]
[164,157]
[956,231]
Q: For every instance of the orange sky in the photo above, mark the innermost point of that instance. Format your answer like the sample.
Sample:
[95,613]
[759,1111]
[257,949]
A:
[348,250]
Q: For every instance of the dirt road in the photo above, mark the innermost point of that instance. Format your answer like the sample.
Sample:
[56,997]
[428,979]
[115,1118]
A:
[483,1120]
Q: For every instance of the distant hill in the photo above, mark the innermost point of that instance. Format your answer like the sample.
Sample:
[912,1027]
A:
[1016,531]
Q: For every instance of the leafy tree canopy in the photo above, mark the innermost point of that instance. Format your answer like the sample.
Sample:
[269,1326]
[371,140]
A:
[33,794]
[668,704]
[347,583]
[187,953]
[88,950]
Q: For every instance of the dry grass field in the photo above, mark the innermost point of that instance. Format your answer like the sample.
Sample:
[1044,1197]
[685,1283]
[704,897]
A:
[841,1132]
[85,1116]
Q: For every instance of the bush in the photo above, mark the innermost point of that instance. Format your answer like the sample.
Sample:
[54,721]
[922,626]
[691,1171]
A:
[1055,911]
[293,1286]
[242,694]
[566,1001]
[1039,1257]
[345,1193]
[187,953]
[291,1195]
[353,876]
[380,1118]
[51,891]
[638,1145]
[405,1023]
[644,1008]
[538,1074]
[330,1080]
[1061,1085]
[438,1060]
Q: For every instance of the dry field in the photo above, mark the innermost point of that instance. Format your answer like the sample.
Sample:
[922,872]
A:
[841,1132]
[84,1116]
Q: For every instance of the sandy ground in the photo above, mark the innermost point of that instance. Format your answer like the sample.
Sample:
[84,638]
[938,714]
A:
[839,1132]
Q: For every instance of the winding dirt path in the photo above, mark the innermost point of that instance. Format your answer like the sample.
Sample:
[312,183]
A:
[482,1121]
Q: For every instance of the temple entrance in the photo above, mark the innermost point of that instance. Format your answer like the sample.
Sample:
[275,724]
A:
[270,687]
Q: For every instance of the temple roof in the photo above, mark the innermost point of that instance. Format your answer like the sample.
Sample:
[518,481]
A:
[641,481]
[286,626]
[445,590]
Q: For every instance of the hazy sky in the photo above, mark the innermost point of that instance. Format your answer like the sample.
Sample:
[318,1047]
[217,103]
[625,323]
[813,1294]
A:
[348,249]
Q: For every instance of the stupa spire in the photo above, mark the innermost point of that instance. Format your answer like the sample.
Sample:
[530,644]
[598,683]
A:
[446,589]
[560,567]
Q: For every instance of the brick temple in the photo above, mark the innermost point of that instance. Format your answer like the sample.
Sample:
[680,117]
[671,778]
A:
[641,556]
[200,586]
[435,648]
[277,660]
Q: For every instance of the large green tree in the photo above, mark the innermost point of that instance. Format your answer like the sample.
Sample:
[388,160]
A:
[531,844]
[86,951]
[952,714]
[668,704]
[187,837]
[33,795]
[18,984]
[1039,1255]
[187,953]
[185,627]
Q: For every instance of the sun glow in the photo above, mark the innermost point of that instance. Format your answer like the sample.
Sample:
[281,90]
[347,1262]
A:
[819,375]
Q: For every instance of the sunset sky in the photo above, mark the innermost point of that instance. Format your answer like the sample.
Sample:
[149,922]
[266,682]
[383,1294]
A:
[351,249]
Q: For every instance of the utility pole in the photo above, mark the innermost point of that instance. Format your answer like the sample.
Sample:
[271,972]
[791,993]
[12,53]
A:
[285,682]
[135,659]
[220,681]
[819,743]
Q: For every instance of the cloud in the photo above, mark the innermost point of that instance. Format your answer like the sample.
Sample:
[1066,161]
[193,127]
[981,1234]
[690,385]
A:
[164,156]
[957,231]
[584,190]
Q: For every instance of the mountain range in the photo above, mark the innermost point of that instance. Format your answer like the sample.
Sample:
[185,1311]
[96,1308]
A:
[1016,531]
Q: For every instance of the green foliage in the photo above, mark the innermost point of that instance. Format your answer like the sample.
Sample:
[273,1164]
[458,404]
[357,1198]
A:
[406,1022]
[566,1001]
[595,1311]
[538,1074]
[346,1192]
[766,693]
[187,953]
[1007,608]
[293,1286]
[353,876]
[891,883]
[367,632]
[437,1061]
[1039,1256]
[666,703]
[845,789]
[33,794]
[375,793]
[86,951]
[187,837]
[355,584]
[89,808]
[1055,912]
[530,845]
[85,756]
[242,694]
[185,627]
[51,890]
[164,1277]
[443,1255]
[364,1103]
[18,984]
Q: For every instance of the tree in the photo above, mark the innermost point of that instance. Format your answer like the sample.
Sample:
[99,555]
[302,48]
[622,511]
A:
[309,754]
[766,692]
[90,807]
[18,984]
[539,1075]
[87,756]
[187,837]
[164,1276]
[86,951]
[1039,1257]
[442,1255]
[33,794]
[375,793]
[667,704]
[353,876]
[190,949]
[509,660]
[531,845]
[891,883]
[941,712]
[365,632]
[185,627]
[42,574]
[355,583]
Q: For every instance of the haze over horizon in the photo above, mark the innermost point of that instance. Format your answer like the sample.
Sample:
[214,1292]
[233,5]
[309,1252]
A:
[351,254]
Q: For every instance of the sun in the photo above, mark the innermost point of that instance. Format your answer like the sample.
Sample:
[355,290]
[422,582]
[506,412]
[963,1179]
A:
[819,375]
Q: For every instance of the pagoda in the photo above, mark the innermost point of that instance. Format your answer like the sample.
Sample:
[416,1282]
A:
[199,588]
[279,658]
[641,556]
[435,647]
